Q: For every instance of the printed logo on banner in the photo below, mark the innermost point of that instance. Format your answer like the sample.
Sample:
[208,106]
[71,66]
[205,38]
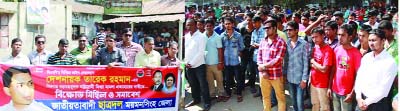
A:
[140,73]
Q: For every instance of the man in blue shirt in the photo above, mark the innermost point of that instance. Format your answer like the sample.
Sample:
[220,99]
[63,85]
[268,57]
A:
[256,36]
[214,61]
[296,65]
[233,45]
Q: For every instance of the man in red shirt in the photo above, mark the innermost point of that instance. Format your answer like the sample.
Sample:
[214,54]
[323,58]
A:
[347,61]
[321,63]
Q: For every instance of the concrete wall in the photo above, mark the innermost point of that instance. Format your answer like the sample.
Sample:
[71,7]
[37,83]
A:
[59,27]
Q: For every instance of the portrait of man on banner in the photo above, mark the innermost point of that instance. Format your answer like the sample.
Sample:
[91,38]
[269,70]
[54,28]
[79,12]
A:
[18,84]
[157,78]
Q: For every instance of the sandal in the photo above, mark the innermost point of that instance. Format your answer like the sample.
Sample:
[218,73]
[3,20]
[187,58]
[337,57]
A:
[239,98]
[226,98]
[220,98]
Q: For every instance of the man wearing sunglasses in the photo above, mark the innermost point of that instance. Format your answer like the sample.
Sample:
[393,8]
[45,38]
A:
[40,55]
[110,55]
[130,48]
[82,53]
[270,61]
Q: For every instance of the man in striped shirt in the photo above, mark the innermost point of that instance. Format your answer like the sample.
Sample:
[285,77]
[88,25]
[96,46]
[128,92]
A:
[62,57]
[101,37]
[270,59]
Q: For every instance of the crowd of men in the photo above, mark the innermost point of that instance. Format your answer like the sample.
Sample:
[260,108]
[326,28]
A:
[332,55]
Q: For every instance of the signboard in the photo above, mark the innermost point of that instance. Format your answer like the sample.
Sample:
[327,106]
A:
[37,11]
[83,88]
[123,7]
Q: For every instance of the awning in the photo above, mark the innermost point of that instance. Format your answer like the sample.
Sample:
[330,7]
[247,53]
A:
[151,18]
[2,10]
[8,7]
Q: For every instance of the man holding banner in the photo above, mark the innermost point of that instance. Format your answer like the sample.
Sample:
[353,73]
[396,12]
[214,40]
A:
[18,84]
[62,57]
[110,55]
[148,57]
[16,56]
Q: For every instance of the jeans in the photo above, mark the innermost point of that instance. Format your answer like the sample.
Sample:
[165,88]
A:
[296,93]
[339,104]
[230,73]
[253,74]
[198,82]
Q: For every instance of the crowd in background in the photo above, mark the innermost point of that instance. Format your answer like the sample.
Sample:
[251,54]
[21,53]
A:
[342,58]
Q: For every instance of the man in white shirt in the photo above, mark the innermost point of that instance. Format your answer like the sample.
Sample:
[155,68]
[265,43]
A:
[16,57]
[40,55]
[372,19]
[195,44]
[18,84]
[373,81]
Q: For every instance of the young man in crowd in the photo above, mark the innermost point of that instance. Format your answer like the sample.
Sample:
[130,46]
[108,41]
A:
[321,64]
[270,61]
[257,36]
[391,40]
[346,63]
[233,44]
[331,39]
[214,61]
[363,34]
[373,82]
[296,65]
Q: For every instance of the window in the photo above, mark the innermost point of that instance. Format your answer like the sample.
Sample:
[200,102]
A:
[4,36]
[77,30]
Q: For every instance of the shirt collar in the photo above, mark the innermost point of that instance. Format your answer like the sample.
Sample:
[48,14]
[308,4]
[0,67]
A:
[86,50]
[297,42]
[213,34]
[121,44]
[233,35]
[18,56]
[379,56]
[44,52]
[151,53]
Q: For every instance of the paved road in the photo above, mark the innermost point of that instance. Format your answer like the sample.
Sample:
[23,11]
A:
[249,104]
